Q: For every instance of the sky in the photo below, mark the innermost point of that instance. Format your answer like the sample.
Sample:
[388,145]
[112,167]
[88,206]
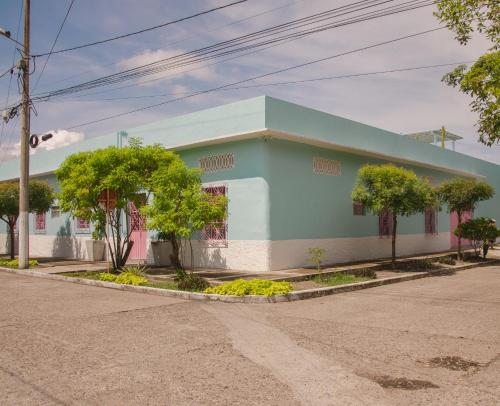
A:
[402,102]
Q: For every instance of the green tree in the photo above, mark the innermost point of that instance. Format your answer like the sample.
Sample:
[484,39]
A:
[482,80]
[382,188]
[462,195]
[480,232]
[40,198]
[180,207]
[127,173]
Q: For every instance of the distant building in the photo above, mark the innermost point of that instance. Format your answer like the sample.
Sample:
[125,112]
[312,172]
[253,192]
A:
[288,172]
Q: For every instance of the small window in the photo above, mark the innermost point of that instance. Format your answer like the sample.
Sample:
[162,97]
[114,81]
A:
[55,211]
[358,209]
[430,221]
[216,163]
[82,225]
[385,224]
[40,223]
[215,233]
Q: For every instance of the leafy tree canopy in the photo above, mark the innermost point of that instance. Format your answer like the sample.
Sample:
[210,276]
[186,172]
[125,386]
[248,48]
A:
[482,80]
[388,187]
[127,172]
[180,206]
[480,231]
[397,190]
[461,195]
[40,198]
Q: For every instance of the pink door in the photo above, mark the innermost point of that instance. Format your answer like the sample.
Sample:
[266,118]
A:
[138,235]
[453,224]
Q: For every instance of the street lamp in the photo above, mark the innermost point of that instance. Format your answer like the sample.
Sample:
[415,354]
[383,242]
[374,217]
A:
[35,140]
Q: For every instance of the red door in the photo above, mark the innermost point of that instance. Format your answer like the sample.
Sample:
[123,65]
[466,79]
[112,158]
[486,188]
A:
[453,223]
[138,235]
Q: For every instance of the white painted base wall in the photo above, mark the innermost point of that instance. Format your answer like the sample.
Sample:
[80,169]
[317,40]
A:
[244,255]
[287,254]
[258,256]
[42,245]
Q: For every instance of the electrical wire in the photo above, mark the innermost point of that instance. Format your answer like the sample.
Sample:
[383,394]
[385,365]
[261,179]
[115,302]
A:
[257,77]
[4,125]
[7,71]
[54,44]
[143,30]
[204,50]
[344,76]
[196,56]
[195,36]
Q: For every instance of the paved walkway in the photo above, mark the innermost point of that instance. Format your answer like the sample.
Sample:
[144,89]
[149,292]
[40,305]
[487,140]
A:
[218,276]
[429,341]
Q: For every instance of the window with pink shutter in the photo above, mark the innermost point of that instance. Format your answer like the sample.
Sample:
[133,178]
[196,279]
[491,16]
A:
[385,224]
[40,223]
[430,221]
[215,233]
[82,225]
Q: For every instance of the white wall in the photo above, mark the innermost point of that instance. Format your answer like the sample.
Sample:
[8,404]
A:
[294,253]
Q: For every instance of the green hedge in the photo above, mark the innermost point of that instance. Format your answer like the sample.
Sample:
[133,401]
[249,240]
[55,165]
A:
[259,287]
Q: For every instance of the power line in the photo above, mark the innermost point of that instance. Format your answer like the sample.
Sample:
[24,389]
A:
[7,71]
[258,77]
[344,76]
[10,70]
[143,30]
[140,70]
[206,53]
[54,44]
[196,35]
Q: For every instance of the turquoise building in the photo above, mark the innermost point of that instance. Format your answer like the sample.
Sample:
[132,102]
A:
[288,172]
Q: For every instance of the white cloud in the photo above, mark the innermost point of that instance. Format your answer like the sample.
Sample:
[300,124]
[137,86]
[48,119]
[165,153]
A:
[60,138]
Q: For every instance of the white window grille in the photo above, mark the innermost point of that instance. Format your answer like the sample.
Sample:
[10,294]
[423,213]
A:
[215,163]
[324,166]
[215,233]
[40,223]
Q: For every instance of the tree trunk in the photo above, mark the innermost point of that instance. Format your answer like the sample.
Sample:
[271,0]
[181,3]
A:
[12,240]
[394,227]
[459,217]
[174,257]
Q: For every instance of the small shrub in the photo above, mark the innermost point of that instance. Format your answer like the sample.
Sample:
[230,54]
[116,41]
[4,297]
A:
[480,231]
[135,270]
[190,281]
[447,260]
[107,277]
[129,278]
[15,262]
[316,257]
[259,287]
[125,278]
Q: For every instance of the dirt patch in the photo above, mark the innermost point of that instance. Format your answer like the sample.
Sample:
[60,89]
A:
[304,285]
[389,382]
[453,363]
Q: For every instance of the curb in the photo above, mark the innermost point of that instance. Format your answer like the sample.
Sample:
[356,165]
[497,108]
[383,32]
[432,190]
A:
[289,297]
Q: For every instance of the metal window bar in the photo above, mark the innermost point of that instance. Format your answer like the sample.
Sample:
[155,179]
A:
[216,230]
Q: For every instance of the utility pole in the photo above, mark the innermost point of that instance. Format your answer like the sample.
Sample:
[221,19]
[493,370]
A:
[25,153]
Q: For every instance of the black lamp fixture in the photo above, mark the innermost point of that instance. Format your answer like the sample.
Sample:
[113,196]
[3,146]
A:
[35,140]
